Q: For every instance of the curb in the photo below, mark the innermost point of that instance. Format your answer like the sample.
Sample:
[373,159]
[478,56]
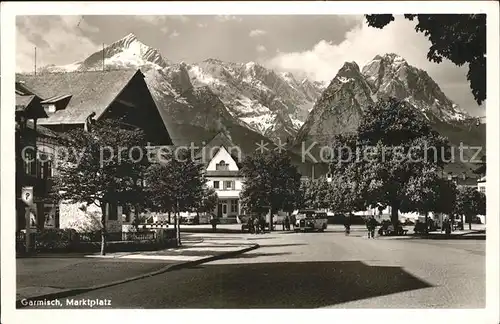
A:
[171,267]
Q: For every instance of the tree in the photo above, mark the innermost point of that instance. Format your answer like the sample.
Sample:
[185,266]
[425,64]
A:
[429,193]
[393,144]
[317,194]
[208,201]
[347,185]
[470,203]
[295,199]
[175,184]
[102,168]
[344,195]
[271,181]
[459,38]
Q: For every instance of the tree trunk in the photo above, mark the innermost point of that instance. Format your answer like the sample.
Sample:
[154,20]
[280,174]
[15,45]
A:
[169,219]
[463,222]
[470,222]
[426,223]
[271,219]
[395,214]
[178,228]
[103,230]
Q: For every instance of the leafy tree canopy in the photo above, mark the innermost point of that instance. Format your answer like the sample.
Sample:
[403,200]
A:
[271,181]
[391,151]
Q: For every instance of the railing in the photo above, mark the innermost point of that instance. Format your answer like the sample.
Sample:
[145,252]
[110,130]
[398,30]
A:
[96,236]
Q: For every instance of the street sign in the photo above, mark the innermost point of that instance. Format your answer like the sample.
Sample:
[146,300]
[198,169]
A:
[27,195]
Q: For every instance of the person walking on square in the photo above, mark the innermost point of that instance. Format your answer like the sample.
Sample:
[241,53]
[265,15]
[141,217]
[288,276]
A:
[287,223]
[347,224]
[213,221]
[371,224]
[251,227]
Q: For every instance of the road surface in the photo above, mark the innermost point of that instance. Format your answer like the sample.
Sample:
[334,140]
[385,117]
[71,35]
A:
[316,270]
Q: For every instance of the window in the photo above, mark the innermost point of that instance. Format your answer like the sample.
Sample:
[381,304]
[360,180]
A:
[29,163]
[228,185]
[482,189]
[234,206]
[221,166]
[50,108]
[216,184]
[44,167]
[49,169]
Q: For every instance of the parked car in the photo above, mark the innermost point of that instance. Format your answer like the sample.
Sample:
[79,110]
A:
[311,220]
[190,220]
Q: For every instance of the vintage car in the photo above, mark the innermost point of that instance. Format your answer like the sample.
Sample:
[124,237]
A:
[310,220]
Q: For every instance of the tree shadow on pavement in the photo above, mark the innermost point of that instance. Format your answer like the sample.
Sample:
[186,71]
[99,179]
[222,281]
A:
[280,285]
[477,237]
[251,255]
[280,245]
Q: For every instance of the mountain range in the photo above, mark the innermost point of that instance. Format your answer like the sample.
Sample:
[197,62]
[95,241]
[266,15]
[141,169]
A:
[198,99]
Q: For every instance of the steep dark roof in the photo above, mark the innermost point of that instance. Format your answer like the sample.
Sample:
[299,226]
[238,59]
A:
[30,105]
[91,91]
[210,150]
[23,101]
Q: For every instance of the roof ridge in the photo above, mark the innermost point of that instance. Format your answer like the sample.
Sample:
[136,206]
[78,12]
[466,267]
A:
[77,71]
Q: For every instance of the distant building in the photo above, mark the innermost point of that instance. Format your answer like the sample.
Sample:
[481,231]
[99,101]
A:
[76,99]
[221,159]
[222,162]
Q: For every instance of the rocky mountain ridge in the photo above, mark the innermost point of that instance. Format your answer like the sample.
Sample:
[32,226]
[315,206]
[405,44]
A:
[273,104]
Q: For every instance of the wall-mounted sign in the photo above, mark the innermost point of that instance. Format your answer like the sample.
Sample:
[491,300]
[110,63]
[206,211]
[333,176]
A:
[27,195]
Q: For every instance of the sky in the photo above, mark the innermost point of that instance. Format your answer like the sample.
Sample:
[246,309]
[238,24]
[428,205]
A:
[315,46]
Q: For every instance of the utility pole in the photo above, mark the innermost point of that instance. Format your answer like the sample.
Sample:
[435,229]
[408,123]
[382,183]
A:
[35,60]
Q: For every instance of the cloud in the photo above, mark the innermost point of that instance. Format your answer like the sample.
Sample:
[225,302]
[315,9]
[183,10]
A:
[52,35]
[226,18]
[261,49]
[164,29]
[257,32]
[174,34]
[362,43]
[200,25]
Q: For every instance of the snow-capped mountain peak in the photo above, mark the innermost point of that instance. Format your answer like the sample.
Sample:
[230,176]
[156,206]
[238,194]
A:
[272,103]
[127,52]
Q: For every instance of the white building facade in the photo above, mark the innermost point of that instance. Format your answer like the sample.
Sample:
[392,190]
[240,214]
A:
[223,174]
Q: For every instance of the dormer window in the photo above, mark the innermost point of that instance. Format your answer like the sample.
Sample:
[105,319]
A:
[55,103]
[50,108]
[222,165]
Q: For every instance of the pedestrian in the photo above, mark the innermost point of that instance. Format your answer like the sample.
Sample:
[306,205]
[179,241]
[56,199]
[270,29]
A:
[287,223]
[262,225]
[213,221]
[371,224]
[251,228]
[447,226]
[347,224]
